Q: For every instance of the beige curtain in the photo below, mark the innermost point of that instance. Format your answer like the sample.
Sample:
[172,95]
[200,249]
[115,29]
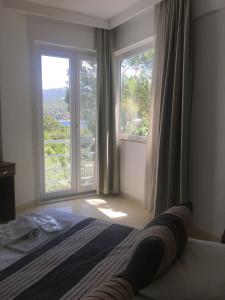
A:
[108,161]
[168,139]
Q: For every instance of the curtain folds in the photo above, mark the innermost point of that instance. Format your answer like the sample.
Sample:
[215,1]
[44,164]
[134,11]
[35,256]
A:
[168,139]
[108,160]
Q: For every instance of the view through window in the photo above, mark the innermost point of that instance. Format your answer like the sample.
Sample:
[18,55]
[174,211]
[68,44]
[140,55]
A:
[88,78]
[136,76]
[69,123]
[56,123]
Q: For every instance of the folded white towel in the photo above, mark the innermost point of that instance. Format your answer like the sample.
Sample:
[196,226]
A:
[47,223]
[22,227]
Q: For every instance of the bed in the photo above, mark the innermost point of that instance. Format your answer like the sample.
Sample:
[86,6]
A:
[69,264]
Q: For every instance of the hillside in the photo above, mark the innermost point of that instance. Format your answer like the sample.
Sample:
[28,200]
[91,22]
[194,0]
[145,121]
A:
[54,103]
[53,94]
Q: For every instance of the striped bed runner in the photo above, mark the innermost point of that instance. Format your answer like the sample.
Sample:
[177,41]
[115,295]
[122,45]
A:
[70,265]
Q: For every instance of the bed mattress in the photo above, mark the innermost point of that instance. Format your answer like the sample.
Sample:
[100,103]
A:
[89,252]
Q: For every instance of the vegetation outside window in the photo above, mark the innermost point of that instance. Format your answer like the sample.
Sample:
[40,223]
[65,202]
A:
[66,121]
[136,74]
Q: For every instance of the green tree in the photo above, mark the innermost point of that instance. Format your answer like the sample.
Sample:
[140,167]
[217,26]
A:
[67,96]
[136,73]
[88,73]
[53,130]
[59,151]
[88,76]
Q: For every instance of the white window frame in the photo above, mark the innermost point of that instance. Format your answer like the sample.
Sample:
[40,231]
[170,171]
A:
[74,57]
[119,57]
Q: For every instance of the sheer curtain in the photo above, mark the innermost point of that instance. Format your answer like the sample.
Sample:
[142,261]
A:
[108,161]
[168,139]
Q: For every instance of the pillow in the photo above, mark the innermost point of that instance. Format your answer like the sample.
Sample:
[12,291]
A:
[113,289]
[199,274]
[157,246]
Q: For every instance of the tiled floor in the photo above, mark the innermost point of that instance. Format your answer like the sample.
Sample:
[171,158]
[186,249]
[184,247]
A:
[114,209]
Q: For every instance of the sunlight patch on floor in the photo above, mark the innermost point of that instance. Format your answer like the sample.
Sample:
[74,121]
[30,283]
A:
[96,201]
[112,213]
[105,208]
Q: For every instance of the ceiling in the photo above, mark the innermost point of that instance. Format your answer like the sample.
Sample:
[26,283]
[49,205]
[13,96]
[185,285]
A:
[105,9]
[106,14]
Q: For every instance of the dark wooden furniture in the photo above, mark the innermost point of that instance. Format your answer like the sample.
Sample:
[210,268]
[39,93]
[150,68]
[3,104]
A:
[7,191]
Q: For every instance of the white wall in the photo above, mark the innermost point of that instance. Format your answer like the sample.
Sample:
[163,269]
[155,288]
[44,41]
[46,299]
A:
[134,32]
[132,169]
[16,87]
[61,33]
[16,104]
[207,164]
[203,7]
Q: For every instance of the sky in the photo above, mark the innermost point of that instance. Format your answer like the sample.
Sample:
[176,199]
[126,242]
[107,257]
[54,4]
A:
[54,72]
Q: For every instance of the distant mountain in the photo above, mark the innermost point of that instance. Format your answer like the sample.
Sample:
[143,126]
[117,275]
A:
[54,94]
[54,103]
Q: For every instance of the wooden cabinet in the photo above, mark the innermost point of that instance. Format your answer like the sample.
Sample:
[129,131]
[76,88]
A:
[7,191]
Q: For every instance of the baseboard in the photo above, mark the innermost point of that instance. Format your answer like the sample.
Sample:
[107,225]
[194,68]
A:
[131,198]
[34,203]
[25,206]
[67,198]
[198,233]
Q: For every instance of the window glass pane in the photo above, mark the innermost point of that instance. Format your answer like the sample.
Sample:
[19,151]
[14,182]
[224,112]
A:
[88,73]
[136,74]
[56,123]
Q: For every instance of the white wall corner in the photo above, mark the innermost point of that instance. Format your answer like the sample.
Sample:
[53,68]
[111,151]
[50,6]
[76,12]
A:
[130,13]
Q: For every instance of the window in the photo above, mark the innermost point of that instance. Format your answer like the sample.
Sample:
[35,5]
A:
[67,122]
[56,122]
[135,88]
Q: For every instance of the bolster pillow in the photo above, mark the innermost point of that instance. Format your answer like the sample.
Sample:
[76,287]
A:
[157,246]
[114,289]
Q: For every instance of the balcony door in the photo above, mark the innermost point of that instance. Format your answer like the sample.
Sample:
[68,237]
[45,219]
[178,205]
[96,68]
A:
[67,123]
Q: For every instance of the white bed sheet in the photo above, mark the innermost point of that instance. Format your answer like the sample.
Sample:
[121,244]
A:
[9,256]
[199,274]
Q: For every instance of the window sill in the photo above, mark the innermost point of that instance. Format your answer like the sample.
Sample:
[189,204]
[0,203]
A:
[135,139]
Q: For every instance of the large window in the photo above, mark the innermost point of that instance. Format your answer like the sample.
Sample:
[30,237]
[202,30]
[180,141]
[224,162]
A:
[67,122]
[135,88]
